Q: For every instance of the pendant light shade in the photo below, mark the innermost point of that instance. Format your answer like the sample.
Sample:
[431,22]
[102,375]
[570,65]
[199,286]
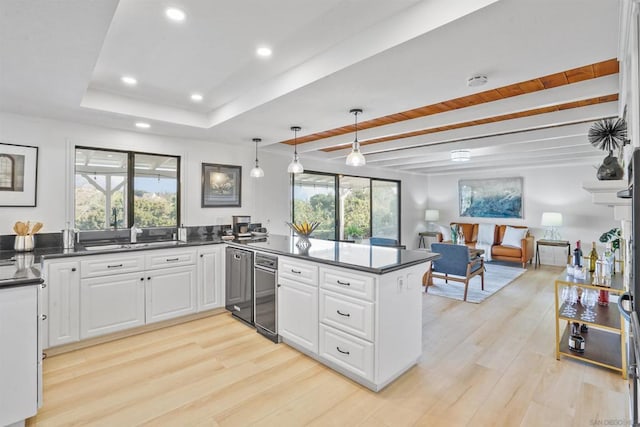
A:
[355,158]
[295,166]
[257,171]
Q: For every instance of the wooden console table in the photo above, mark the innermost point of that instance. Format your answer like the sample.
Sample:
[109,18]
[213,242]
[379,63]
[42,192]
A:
[544,242]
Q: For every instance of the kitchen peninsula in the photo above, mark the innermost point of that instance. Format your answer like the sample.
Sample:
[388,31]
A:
[355,308]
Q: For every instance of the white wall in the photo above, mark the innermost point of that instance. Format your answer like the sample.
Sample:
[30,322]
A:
[550,189]
[267,200]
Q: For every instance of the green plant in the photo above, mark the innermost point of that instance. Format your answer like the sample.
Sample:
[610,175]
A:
[353,230]
[612,236]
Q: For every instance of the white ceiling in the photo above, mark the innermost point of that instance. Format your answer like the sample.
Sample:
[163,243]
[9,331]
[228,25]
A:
[64,59]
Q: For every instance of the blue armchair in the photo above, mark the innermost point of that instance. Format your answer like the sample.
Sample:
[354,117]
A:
[384,241]
[454,264]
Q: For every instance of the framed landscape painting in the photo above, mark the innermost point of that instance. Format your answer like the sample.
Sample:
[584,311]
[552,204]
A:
[491,198]
[18,175]
[221,185]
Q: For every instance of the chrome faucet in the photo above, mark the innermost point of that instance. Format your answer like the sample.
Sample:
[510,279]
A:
[133,232]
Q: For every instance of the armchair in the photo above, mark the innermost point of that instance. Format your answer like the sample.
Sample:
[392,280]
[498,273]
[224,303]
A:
[454,264]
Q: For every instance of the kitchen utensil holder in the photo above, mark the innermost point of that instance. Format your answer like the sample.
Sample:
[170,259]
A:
[23,243]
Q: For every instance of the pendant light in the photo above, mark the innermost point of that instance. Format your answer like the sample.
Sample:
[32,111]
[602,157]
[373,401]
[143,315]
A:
[257,171]
[355,158]
[295,166]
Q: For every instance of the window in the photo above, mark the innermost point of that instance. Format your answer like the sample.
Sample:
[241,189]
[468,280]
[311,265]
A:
[314,199]
[106,186]
[347,207]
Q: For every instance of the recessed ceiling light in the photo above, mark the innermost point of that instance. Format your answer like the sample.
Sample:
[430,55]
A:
[128,80]
[196,97]
[263,51]
[175,14]
[460,155]
[143,125]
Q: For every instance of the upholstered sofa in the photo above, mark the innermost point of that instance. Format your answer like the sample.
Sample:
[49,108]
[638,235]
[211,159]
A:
[522,255]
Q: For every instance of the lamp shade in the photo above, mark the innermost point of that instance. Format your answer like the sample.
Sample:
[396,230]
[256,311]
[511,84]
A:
[431,215]
[551,219]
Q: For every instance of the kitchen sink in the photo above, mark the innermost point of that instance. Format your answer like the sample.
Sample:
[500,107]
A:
[112,246]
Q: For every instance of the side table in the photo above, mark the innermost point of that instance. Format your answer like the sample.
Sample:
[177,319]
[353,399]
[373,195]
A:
[423,234]
[544,242]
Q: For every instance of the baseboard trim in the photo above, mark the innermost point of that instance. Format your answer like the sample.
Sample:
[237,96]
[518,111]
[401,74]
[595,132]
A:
[53,351]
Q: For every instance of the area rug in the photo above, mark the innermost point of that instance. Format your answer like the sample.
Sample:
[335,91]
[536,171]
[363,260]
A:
[496,277]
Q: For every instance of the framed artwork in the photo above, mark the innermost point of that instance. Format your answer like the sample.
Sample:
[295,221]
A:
[221,185]
[491,198]
[18,175]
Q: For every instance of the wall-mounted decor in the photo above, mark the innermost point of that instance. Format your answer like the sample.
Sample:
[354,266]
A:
[18,175]
[491,198]
[221,185]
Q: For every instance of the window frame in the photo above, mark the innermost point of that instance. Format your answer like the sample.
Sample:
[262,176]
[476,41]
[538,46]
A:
[130,181]
[337,177]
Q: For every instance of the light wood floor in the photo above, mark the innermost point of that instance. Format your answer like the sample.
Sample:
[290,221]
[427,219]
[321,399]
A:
[489,364]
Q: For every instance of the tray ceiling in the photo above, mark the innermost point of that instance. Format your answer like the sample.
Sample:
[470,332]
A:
[551,70]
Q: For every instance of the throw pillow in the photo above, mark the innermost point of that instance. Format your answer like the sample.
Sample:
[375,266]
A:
[446,232]
[486,233]
[513,237]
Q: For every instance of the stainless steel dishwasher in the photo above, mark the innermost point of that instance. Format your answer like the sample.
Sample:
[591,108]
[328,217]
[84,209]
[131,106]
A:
[266,302]
[239,284]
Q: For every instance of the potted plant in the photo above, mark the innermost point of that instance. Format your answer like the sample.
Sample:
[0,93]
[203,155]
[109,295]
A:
[608,135]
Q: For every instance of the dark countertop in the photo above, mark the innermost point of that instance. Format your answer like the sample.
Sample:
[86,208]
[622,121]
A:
[18,268]
[371,259]
[21,272]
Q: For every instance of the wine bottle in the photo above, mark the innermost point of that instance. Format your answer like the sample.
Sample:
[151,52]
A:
[577,255]
[593,258]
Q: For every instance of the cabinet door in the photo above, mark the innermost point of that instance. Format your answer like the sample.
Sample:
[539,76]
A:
[298,314]
[64,302]
[111,303]
[19,356]
[170,292]
[210,278]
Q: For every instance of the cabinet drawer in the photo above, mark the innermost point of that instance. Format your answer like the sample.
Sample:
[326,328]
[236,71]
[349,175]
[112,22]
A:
[101,265]
[347,314]
[170,258]
[355,285]
[300,272]
[347,351]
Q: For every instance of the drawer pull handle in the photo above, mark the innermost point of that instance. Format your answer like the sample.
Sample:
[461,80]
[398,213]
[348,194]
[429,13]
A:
[343,314]
[114,266]
[296,271]
[73,269]
[236,256]
[173,259]
[343,283]
[343,352]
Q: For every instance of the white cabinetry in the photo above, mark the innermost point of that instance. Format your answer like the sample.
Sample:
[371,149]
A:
[366,326]
[210,277]
[298,303]
[170,292]
[111,303]
[98,294]
[19,357]
[63,311]
[111,294]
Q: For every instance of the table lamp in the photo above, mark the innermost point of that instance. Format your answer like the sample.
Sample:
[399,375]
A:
[551,220]
[431,216]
